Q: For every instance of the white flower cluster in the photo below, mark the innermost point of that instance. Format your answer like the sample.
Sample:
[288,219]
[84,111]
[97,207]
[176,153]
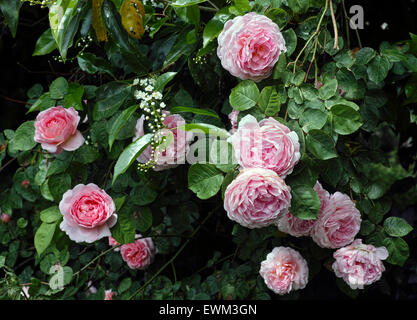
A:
[42,3]
[153,3]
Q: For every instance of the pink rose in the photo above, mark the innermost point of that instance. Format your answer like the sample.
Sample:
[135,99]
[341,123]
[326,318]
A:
[233,120]
[109,294]
[113,243]
[249,46]
[359,264]
[269,144]
[139,254]
[5,218]
[176,152]
[256,198]
[338,222]
[88,213]
[56,130]
[296,227]
[284,270]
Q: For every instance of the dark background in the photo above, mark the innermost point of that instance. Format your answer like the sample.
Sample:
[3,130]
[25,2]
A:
[19,71]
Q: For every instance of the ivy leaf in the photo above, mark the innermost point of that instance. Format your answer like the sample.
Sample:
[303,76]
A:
[346,120]
[205,180]
[130,154]
[43,236]
[321,145]
[397,227]
[244,96]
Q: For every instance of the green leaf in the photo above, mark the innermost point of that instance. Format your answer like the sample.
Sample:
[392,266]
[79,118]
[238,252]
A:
[58,88]
[110,97]
[58,184]
[240,7]
[328,90]
[346,120]
[378,69]
[124,285]
[130,154]
[186,3]
[23,137]
[10,10]
[50,215]
[397,227]
[279,16]
[269,101]
[74,96]
[91,64]
[124,230]
[299,6]
[321,145]
[305,203]
[209,129]
[398,250]
[163,80]
[290,41]
[120,122]
[189,14]
[364,55]
[205,180]
[313,119]
[44,102]
[63,25]
[143,194]
[86,154]
[144,219]
[244,96]
[215,26]
[195,111]
[43,236]
[45,44]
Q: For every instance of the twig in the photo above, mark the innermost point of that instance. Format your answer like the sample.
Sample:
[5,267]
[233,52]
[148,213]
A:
[174,257]
[15,100]
[7,163]
[213,5]
[336,32]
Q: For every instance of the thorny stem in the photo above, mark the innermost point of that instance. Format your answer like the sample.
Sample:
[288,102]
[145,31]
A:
[174,257]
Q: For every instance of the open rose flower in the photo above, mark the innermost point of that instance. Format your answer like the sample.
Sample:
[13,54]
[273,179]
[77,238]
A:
[176,152]
[256,198]
[249,46]
[267,144]
[88,213]
[359,264]
[56,130]
[284,270]
[338,223]
[296,227]
[139,254]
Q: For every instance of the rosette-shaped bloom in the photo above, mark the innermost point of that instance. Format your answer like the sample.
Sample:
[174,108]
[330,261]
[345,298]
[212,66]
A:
[176,151]
[338,223]
[296,227]
[267,144]
[256,198]
[359,264]
[56,130]
[139,254]
[284,270]
[249,46]
[88,213]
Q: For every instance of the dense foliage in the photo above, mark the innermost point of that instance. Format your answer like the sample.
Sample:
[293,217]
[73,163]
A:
[350,108]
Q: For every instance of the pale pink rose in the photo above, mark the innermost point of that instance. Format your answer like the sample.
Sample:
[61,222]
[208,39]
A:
[176,152]
[338,222]
[284,270]
[296,227]
[256,198]
[5,218]
[233,120]
[113,243]
[359,264]
[139,254]
[249,46]
[56,130]
[88,213]
[267,144]
[109,294]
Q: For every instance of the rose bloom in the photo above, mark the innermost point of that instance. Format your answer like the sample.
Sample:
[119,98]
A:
[5,218]
[176,152]
[139,254]
[267,144]
[296,227]
[249,46]
[113,243]
[108,294]
[56,130]
[256,198]
[284,270]
[88,213]
[338,222]
[233,120]
[359,264]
